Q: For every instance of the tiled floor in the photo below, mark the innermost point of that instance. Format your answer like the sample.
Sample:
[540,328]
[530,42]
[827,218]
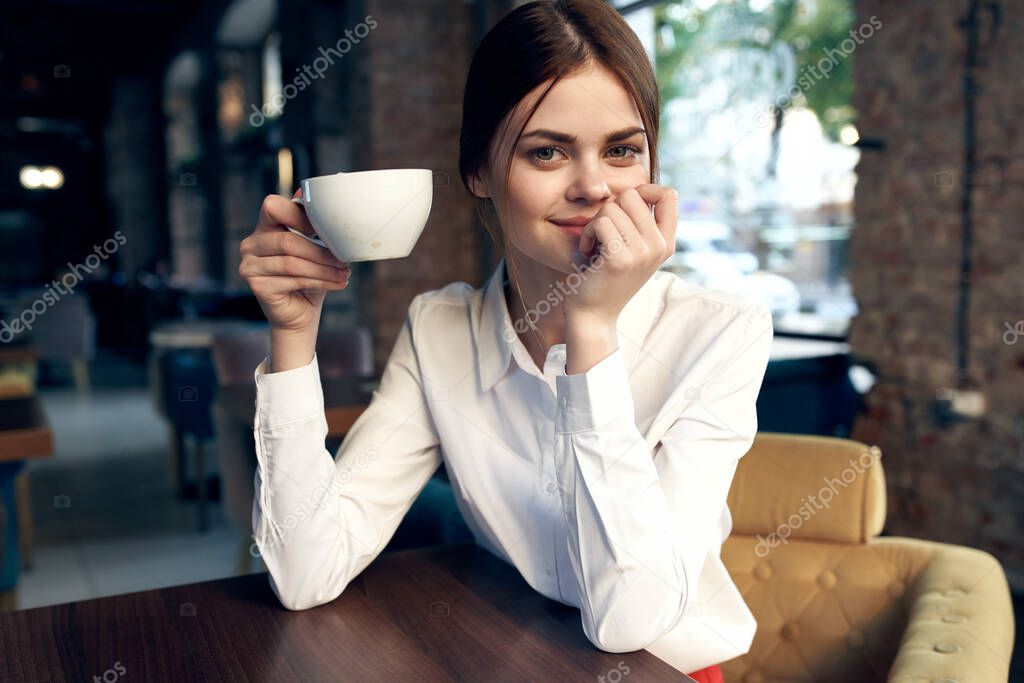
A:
[106,519]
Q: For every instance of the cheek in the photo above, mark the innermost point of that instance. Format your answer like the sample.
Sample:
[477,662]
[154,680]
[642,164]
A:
[532,195]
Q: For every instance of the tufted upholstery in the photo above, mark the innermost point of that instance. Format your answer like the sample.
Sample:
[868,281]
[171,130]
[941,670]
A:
[833,601]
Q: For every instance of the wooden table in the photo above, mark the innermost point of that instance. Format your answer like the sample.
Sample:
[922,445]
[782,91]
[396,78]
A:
[436,614]
[345,399]
[18,353]
[18,363]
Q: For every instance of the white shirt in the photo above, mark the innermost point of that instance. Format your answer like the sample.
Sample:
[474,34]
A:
[606,489]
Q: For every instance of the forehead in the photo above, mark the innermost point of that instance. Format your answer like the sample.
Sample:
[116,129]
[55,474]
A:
[588,104]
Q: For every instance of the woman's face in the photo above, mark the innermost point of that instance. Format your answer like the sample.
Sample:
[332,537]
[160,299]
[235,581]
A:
[583,146]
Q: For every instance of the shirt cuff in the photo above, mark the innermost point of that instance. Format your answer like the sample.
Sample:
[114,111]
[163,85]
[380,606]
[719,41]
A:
[594,398]
[288,396]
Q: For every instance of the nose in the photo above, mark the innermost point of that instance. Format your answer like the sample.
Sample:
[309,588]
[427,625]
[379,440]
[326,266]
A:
[589,183]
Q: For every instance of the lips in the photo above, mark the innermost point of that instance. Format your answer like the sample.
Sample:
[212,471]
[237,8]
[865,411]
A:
[573,230]
[574,221]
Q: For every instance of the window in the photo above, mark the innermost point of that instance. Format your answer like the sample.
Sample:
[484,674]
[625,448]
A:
[757,136]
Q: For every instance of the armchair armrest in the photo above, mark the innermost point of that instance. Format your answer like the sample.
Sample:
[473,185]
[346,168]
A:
[960,623]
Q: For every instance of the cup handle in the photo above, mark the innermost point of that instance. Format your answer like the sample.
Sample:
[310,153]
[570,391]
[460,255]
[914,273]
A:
[315,240]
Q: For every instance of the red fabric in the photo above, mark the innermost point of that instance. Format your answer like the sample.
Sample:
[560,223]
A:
[711,674]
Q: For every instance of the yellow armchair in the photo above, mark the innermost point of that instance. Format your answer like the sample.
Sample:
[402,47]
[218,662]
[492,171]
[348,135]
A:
[834,601]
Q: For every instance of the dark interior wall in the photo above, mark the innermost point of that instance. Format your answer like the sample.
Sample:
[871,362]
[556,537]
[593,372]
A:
[936,257]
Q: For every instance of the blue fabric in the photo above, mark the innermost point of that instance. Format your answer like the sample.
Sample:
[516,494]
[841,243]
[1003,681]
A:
[10,554]
[190,386]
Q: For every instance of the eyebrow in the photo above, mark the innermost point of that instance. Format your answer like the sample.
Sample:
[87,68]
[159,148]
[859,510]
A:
[571,139]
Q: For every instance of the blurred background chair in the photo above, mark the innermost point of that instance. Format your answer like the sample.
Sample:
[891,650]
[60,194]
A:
[345,351]
[235,357]
[188,393]
[65,334]
[833,600]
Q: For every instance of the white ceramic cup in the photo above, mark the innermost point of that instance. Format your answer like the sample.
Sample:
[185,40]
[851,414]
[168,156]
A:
[368,215]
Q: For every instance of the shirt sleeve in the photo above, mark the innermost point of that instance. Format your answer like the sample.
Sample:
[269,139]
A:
[319,520]
[640,523]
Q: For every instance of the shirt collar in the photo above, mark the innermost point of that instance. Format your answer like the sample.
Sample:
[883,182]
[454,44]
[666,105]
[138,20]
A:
[495,336]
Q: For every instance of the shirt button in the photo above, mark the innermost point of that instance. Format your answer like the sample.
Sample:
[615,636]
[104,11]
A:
[551,487]
[547,570]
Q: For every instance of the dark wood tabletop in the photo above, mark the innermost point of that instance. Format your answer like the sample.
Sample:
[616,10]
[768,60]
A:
[345,399]
[451,612]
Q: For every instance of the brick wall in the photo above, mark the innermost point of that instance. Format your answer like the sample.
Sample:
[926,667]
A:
[962,481]
[414,68]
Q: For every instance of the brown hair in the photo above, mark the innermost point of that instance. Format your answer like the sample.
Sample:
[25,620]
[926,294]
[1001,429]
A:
[537,42]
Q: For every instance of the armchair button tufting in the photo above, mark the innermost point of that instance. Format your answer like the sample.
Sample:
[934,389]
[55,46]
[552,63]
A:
[954,618]
[827,579]
[947,648]
[789,631]
[763,572]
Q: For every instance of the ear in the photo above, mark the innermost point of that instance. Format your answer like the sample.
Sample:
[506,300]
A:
[478,186]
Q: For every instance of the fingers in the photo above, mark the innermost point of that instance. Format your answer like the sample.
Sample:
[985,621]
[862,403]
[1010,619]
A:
[639,213]
[284,243]
[666,209]
[293,266]
[276,285]
[276,212]
[607,233]
[628,234]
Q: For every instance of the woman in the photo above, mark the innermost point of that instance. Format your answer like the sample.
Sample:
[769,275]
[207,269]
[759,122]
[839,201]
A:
[590,409]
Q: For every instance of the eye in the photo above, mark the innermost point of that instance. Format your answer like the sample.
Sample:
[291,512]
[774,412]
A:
[540,154]
[543,150]
[633,151]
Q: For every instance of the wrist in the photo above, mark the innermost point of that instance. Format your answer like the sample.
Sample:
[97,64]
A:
[589,339]
[588,323]
[290,349]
